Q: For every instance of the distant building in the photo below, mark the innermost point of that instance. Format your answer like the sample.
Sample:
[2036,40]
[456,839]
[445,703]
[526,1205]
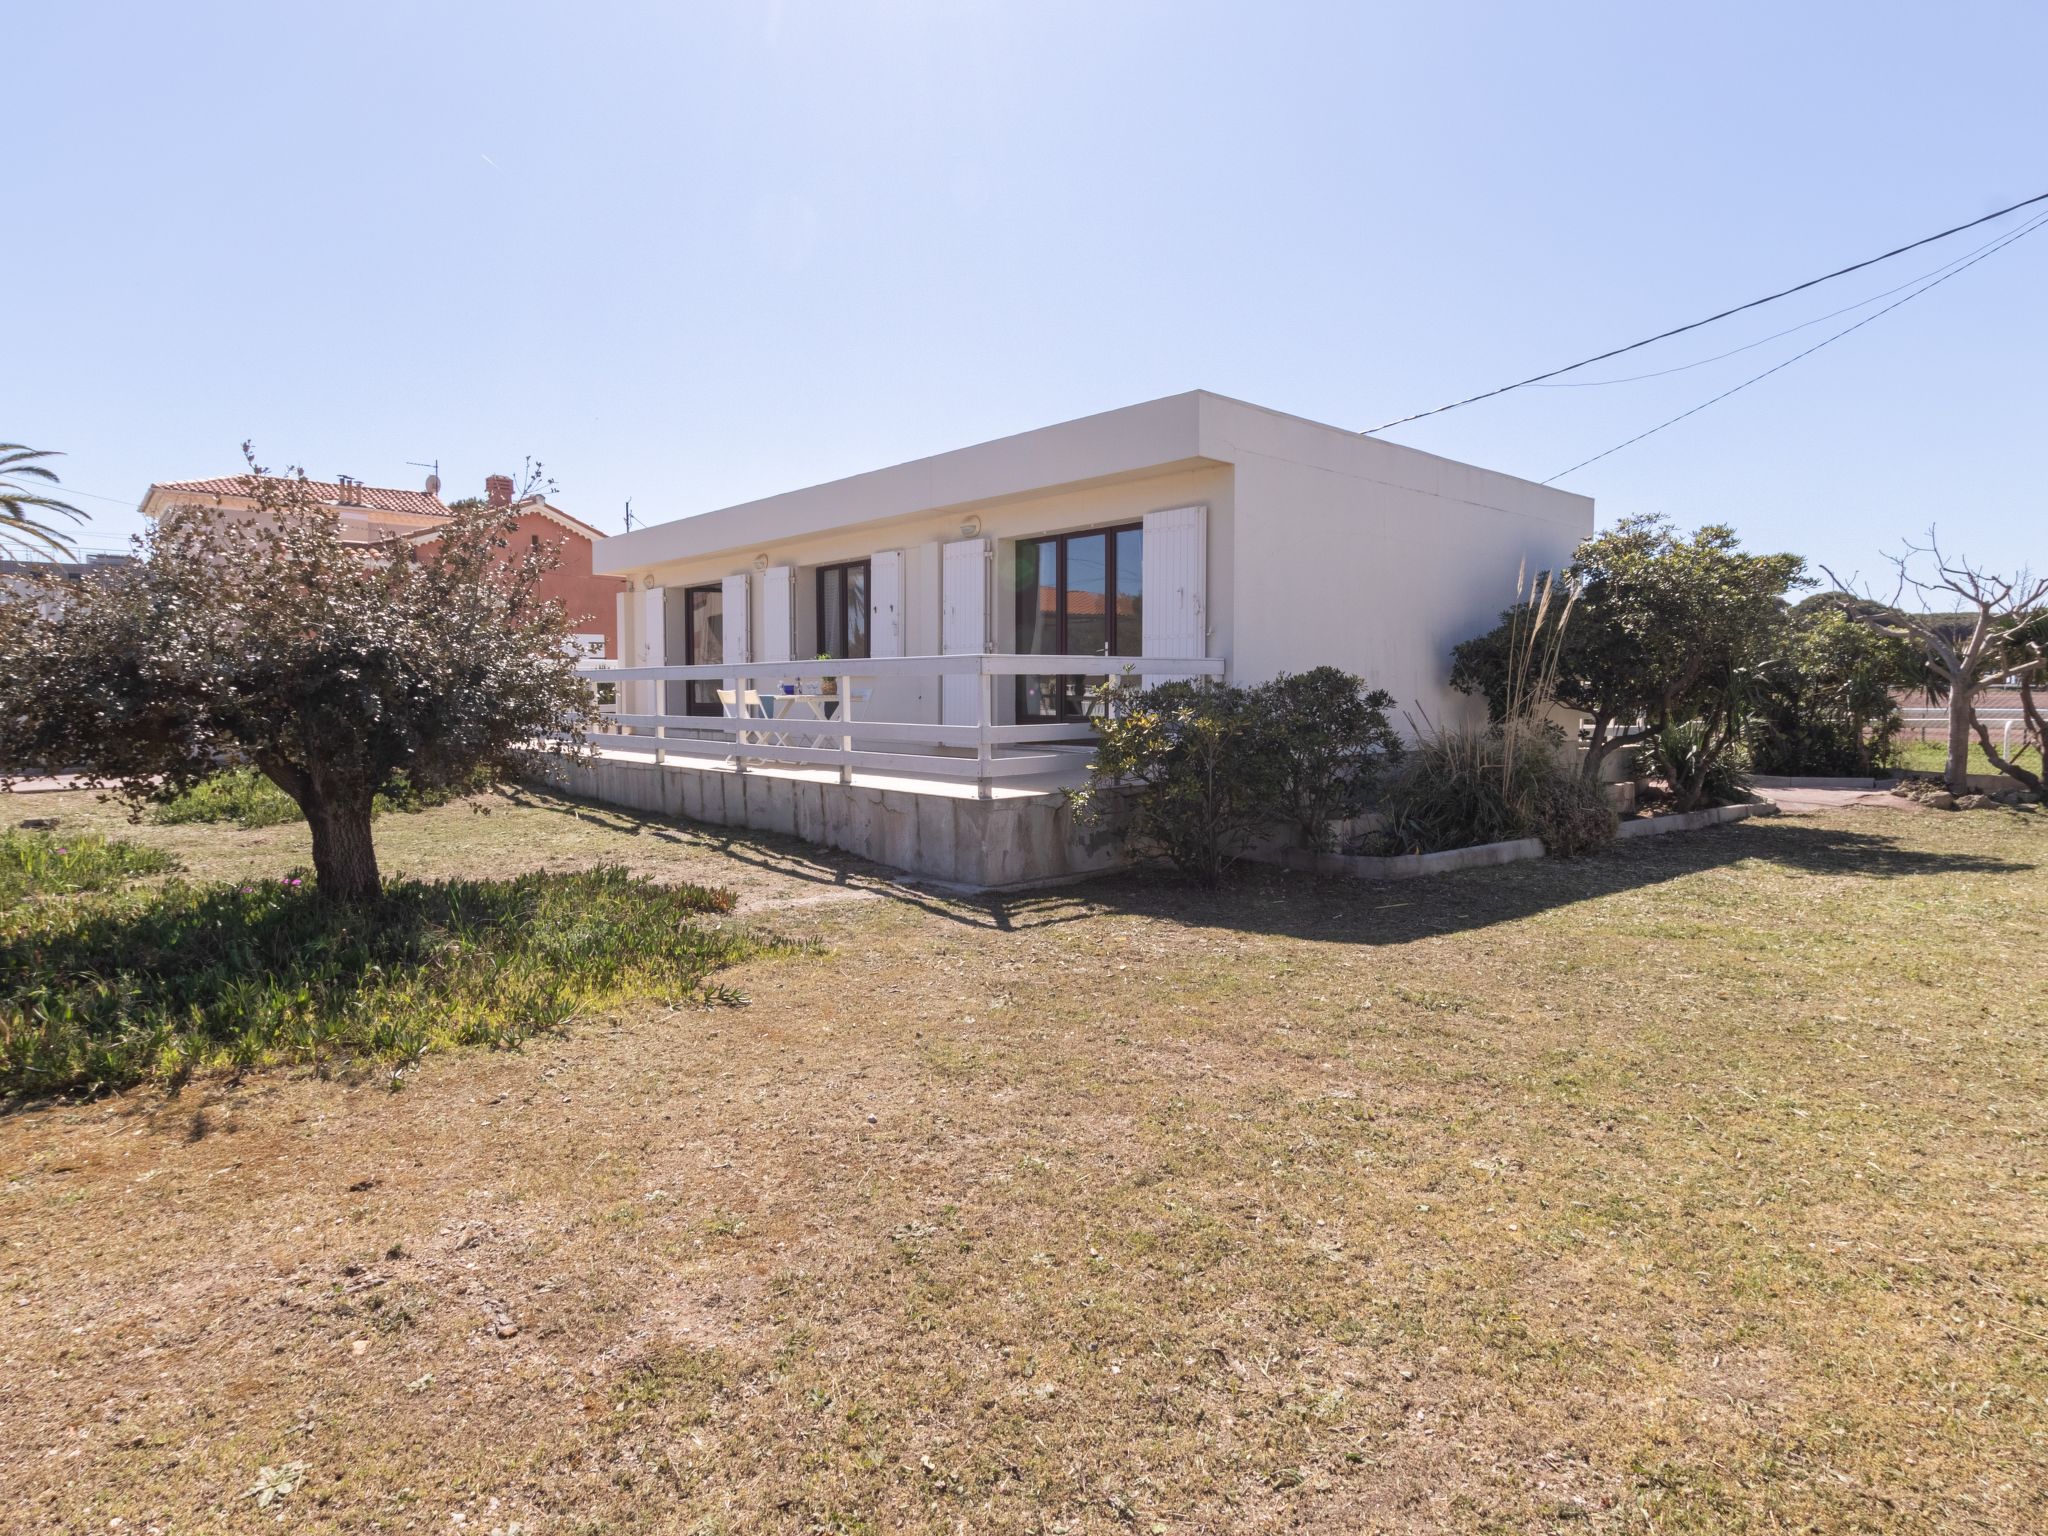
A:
[18,578]
[375,515]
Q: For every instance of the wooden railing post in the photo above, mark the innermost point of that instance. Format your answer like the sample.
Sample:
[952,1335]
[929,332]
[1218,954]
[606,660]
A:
[983,749]
[845,686]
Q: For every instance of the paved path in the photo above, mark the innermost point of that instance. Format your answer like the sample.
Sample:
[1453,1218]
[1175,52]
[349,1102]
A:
[45,786]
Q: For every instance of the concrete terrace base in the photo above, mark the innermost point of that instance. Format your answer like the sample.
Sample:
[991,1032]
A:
[933,829]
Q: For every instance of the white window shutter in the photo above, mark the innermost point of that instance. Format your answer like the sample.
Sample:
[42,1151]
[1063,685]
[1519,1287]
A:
[778,613]
[738,636]
[650,649]
[885,601]
[653,627]
[963,623]
[1176,580]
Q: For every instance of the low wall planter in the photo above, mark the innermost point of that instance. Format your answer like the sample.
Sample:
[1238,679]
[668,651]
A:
[1691,821]
[1410,866]
[1794,781]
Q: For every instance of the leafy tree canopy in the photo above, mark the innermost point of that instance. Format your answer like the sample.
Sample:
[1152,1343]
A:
[1666,627]
[265,639]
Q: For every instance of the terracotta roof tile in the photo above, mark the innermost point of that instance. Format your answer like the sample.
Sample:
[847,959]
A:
[374,498]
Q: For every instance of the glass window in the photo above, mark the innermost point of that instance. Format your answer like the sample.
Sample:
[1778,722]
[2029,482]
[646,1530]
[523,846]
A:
[703,645]
[1078,594]
[1127,632]
[843,614]
[1038,624]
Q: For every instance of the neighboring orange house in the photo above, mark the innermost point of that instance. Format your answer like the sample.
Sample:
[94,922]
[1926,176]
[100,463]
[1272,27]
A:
[591,602]
[372,515]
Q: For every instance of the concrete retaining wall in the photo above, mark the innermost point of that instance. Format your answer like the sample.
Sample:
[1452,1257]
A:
[1691,821]
[1793,781]
[1019,840]
[1408,866]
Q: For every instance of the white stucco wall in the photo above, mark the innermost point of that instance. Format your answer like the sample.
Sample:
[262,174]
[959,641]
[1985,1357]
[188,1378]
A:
[1323,546]
[920,536]
[1378,558]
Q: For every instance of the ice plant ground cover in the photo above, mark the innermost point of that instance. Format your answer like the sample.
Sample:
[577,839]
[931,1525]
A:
[154,982]
[1690,1186]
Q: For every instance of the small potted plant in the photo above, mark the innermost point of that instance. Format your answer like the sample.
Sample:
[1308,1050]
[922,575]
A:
[828,687]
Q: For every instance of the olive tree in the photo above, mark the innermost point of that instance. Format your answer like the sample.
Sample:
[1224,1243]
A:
[333,669]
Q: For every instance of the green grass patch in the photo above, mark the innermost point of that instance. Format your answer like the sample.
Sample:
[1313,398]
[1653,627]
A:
[138,986]
[49,864]
[1932,756]
[243,797]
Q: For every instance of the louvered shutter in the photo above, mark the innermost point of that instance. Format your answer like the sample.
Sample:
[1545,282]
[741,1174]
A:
[738,636]
[963,623]
[1176,573]
[885,597]
[778,617]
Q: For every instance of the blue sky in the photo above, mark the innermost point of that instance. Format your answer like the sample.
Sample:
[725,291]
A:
[694,254]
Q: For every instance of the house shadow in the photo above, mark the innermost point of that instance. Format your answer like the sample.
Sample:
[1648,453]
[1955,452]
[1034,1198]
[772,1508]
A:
[1266,900]
[1263,899]
[772,853]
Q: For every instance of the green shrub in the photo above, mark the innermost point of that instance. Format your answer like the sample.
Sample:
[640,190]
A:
[113,989]
[53,864]
[1463,788]
[1678,755]
[1332,746]
[1190,767]
[239,795]
[248,799]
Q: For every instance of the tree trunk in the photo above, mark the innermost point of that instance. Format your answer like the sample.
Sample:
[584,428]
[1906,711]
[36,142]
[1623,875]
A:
[1597,748]
[1962,713]
[344,857]
[2012,771]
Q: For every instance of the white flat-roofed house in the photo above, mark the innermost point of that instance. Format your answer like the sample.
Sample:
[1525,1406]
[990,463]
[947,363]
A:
[1188,535]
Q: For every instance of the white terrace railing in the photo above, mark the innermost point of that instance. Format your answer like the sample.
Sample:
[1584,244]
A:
[762,724]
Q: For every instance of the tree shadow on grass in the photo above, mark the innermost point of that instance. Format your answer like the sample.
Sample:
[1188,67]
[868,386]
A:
[772,853]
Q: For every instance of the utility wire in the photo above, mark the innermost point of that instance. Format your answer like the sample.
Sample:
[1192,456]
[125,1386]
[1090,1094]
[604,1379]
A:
[1662,373]
[1723,315]
[2018,234]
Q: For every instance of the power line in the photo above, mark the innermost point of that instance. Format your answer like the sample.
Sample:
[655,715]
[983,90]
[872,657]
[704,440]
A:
[1751,346]
[72,490]
[1723,315]
[2018,234]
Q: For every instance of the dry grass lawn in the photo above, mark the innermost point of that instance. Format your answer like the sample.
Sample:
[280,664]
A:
[1694,1187]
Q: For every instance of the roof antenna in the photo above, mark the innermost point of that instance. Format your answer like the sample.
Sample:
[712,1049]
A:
[629,514]
[433,475]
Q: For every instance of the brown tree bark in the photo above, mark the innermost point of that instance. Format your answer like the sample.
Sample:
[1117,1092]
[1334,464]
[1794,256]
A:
[338,811]
[344,857]
[1962,714]
[2012,771]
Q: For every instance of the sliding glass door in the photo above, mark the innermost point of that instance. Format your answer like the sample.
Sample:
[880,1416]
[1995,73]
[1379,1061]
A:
[1078,594]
